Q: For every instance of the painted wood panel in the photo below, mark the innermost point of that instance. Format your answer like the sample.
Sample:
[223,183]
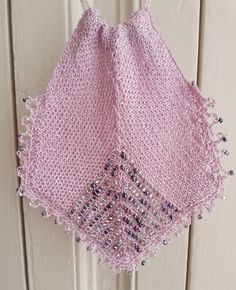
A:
[40,29]
[51,259]
[213,251]
[12,263]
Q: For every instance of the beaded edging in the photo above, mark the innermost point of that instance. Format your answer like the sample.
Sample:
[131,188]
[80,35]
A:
[182,219]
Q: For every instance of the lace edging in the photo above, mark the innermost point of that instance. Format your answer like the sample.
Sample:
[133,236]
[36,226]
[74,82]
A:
[184,220]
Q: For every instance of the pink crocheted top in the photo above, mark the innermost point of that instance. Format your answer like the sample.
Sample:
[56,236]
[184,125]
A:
[120,146]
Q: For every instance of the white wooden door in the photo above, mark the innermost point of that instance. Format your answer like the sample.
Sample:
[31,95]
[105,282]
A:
[36,254]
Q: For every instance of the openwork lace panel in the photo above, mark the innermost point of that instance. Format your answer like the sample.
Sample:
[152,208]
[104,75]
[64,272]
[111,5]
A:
[120,147]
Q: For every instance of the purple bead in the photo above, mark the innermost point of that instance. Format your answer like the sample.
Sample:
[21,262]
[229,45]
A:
[93,185]
[231,172]
[123,155]
[122,167]
[165,242]
[25,99]
[226,152]
[199,216]
[78,240]
[106,167]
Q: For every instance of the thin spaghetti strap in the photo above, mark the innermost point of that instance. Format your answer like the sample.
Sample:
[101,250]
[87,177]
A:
[85,4]
[147,3]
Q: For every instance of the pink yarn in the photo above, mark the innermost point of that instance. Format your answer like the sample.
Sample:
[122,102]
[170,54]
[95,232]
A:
[120,146]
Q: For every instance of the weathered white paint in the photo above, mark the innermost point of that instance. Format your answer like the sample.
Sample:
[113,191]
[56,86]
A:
[12,268]
[39,35]
[213,251]
[40,30]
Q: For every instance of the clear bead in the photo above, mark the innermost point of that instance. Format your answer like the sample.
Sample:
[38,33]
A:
[165,242]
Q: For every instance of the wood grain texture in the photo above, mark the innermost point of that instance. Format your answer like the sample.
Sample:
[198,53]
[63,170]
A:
[53,261]
[12,263]
[178,22]
[213,251]
[39,35]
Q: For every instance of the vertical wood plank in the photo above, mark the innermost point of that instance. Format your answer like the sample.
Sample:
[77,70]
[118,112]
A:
[12,266]
[213,251]
[39,35]
[178,22]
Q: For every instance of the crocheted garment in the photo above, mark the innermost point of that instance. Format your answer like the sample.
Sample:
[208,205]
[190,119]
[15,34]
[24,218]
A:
[120,147]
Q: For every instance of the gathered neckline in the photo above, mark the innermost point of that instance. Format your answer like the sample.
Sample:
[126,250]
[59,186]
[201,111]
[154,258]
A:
[121,24]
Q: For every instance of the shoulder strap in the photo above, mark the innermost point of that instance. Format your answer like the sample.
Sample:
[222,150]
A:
[147,3]
[85,4]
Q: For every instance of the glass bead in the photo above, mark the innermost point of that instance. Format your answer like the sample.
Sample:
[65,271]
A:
[19,169]
[106,167]
[124,195]
[106,231]
[142,201]
[109,206]
[98,190]
[43,213]
[147,193]
[165,242]
[20,191]
[21,149]
[220,120]
[123,155]
[133,177]
[226,152]
[25,99]
[224,139]
[143,263]
[200,216]
[122,167]
[144,190]
[78,240]
[72,211]
[231,172]
[93,185]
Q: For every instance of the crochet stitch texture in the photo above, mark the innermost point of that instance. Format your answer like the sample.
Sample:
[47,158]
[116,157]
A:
[120,146]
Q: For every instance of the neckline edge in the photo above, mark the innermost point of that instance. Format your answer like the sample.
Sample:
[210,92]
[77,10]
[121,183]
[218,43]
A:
[121,24]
